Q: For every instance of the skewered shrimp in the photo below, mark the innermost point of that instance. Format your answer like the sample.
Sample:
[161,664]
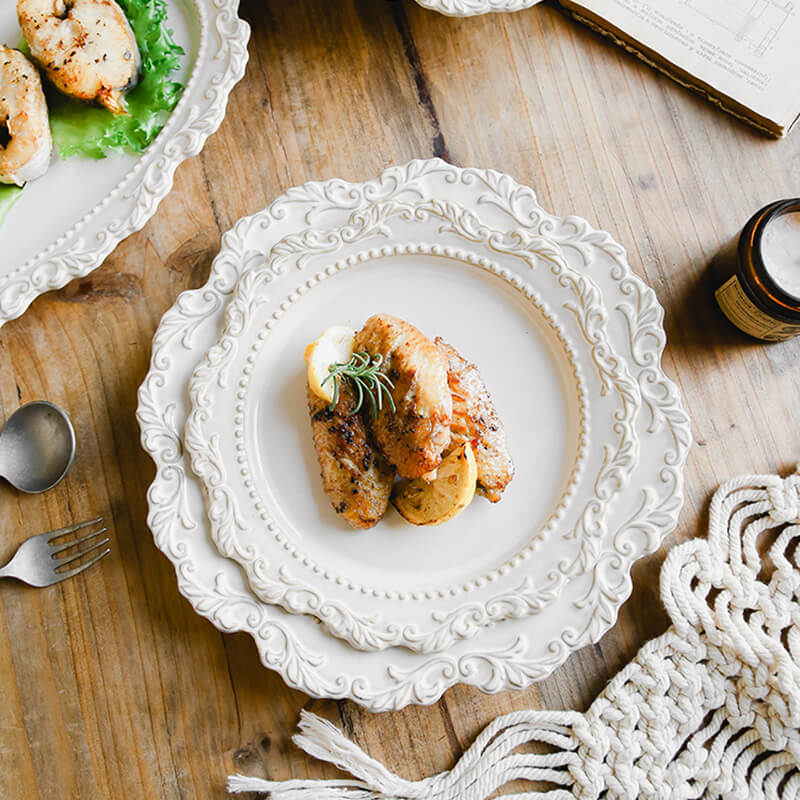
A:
[25,141]
[86,47]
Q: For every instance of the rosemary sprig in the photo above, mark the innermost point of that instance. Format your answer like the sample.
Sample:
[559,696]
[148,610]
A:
[365,373]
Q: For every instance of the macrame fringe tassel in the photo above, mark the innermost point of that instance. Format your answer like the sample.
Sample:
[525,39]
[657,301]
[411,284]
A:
[300,790]
[489,764]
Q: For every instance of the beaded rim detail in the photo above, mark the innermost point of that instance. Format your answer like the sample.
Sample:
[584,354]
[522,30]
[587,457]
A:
[574,473]
[293,645]
[268,577]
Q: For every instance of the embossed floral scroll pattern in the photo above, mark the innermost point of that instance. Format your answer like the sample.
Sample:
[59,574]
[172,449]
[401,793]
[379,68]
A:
[471,8]
[275,583]
[297,650]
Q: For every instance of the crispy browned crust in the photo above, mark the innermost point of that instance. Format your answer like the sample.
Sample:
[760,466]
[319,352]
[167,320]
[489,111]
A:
[355,476]
[475,420]
[414,437]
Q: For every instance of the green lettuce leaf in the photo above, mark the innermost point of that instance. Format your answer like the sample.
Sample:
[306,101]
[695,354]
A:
[81,129]
[9,194]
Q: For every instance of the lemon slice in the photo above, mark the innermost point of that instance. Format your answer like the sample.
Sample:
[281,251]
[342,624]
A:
[449,493]
[335,346]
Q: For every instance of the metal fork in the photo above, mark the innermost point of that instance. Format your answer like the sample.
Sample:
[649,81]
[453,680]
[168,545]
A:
[38,562]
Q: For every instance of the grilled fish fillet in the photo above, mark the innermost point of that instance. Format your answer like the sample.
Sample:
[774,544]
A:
[475,420]
[414,437]
[356,477]
[86,47]
[24,120]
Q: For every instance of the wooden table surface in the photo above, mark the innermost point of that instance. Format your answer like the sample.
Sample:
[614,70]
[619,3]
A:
[111,686]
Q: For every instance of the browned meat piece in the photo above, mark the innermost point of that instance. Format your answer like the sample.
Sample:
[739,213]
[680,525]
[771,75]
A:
[414,436]
[356,477]
[86,47]
[475,420]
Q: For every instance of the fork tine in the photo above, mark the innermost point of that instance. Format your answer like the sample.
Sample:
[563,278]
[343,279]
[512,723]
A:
[55,549]
[69,573]
[64,560]
[73,528]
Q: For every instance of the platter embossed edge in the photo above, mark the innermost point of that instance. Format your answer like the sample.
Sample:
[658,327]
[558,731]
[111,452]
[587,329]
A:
[473,8]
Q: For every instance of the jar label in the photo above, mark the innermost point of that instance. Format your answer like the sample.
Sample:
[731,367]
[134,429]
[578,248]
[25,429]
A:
[739,309]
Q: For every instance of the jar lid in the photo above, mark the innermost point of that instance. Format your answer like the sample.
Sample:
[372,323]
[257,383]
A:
[776,251]
[779,245]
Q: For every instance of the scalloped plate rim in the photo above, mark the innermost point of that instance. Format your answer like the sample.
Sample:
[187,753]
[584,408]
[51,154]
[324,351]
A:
[436,624]
[474,8]
[275,631]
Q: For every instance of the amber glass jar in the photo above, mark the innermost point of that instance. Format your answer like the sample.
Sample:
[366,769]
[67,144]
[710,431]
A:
[757,277]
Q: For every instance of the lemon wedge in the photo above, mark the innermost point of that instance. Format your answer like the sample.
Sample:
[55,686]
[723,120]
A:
[448,494]
[335,346]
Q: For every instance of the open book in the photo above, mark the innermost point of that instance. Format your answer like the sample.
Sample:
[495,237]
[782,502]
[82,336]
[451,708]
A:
[744,55]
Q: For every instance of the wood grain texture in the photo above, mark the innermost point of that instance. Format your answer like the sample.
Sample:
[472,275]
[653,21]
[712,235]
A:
[111,686]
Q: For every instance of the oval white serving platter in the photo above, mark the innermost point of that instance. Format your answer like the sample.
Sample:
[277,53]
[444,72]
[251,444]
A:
[530,314]
[472,8]
[510,655]
[66,223]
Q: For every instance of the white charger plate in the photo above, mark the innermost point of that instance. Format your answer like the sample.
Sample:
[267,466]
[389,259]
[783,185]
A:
[472,8]
[511,655]
[522,305]
[91,206]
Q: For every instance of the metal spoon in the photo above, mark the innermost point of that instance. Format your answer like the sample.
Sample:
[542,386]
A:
[37,445]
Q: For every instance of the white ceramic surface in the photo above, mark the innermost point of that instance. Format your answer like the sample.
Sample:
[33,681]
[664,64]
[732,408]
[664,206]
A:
[472,8]
[509,655]
[536,324]
[114,197]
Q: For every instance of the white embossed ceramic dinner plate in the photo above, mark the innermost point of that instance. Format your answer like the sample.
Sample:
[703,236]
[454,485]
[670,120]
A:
[520,304]
[511,654]
[472,8]
[66,223]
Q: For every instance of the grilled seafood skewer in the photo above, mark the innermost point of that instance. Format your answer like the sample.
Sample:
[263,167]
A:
[475,420]
[388,399]
[25,141]
[85,47]
[416,432]
[355,476]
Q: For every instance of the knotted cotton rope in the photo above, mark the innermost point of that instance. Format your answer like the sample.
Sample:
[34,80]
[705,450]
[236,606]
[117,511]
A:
[709,709]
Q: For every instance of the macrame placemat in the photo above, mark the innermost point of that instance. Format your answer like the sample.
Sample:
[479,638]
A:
[709,709]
